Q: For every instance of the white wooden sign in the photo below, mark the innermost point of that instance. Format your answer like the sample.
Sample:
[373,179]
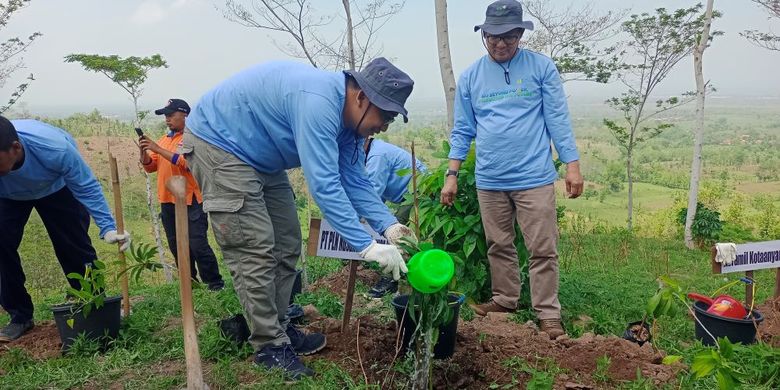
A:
[753,256]
[324,241]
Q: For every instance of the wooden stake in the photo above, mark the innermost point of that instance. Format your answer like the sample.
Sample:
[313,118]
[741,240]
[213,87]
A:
[353,264]
[414,194]
[777,284]
[177,185]
[120,227]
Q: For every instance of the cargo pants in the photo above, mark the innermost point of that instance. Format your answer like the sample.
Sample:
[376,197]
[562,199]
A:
[256,225]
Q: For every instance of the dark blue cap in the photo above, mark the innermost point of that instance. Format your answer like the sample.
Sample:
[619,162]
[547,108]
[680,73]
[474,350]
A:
[173,106]
[504,16]
[386,86]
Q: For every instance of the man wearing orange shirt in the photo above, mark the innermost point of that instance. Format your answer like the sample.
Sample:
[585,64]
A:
[161,157]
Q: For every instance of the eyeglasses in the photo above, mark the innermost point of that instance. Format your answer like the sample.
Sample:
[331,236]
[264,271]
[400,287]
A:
[509,39]
[388,117]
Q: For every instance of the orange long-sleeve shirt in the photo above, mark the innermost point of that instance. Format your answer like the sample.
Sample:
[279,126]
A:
[165,169]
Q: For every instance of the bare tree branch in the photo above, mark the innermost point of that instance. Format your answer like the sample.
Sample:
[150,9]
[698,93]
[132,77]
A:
[312,36]
[574,38]
[11,50]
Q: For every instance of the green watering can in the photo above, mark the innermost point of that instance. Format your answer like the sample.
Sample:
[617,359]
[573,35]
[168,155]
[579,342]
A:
[430,270]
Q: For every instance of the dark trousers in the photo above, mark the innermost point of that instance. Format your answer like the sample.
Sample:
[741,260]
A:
[200,251]
[67,222]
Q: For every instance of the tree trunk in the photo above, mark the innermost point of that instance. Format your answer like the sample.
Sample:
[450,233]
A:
[630,219]
[445,60]
[350,38]
[150,206]
[698,132]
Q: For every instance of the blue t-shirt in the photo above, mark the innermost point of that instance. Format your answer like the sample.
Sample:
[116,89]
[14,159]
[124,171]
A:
[513,123]
[51,162]
[281,115]
[383,162]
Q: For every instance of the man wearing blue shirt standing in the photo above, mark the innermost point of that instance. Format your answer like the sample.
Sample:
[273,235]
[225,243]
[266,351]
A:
[383,161]
[512,102]
[244,134]
[40,167]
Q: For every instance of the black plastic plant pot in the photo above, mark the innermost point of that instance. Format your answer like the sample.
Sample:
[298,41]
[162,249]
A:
[102,324]
[235,328]
[735,330]
[445,346]
[630,333]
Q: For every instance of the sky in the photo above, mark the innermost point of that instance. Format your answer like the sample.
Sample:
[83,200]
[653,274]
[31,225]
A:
[202,48]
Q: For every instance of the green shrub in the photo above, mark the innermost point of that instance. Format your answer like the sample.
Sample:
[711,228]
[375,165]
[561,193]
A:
[706,226]
[458,229]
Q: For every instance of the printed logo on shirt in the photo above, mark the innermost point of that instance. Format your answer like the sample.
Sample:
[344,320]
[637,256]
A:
[516,93]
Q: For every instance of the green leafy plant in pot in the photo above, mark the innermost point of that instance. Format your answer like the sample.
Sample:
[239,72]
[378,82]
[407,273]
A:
[431,327]
[89,311]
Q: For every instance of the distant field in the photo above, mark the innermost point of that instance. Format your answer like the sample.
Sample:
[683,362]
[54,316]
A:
[647,197]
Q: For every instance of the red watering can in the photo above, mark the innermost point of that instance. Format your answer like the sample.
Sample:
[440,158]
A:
[723,305]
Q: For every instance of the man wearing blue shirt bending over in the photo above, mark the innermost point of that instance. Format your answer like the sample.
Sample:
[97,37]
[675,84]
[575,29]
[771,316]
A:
[512,102]
[40,167]
[383,161]
[244,134]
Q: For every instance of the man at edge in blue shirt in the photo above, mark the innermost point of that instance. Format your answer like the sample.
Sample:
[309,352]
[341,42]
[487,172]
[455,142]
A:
[40,167]
[512,102]
[383,161]
[243,135]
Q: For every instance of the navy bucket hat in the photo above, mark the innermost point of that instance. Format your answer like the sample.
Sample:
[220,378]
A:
[504,16]
[386,86]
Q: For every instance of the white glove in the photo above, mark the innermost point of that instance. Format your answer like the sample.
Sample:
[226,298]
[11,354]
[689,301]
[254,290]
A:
[397,231]
[388,257]
[112,237]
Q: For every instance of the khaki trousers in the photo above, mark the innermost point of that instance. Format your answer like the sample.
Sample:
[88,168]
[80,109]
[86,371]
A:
[534,210]
[255,222]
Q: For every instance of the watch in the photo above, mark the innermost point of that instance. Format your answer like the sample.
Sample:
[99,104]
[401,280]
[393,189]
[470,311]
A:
[451,172]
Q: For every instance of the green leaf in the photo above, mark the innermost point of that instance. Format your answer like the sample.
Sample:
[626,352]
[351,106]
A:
[469,245]
[652,304]
[703,364]
[725,379]
[671,359]
[726,348]
[404,172]
[70,323]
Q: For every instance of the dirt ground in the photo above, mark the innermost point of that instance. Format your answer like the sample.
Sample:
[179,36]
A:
[42,342]
[94,149]
[337,282]
[769,329]
[483,345]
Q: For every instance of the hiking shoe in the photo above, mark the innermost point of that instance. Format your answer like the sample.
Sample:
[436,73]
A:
[385,285]
[282,357]
[14,330]
[489,307]
[552,327]
[216,286]
[305,344]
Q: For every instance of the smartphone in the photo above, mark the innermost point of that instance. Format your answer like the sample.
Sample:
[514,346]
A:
[139,131]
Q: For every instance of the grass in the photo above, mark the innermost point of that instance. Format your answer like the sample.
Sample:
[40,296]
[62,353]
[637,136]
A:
[606,278]
[612,210]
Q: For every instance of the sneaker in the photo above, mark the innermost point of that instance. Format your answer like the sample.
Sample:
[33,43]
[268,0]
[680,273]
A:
[385,285]
[552,327]
[15,330]
[489,307]
[305,344]
[282,357]
[216,286]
